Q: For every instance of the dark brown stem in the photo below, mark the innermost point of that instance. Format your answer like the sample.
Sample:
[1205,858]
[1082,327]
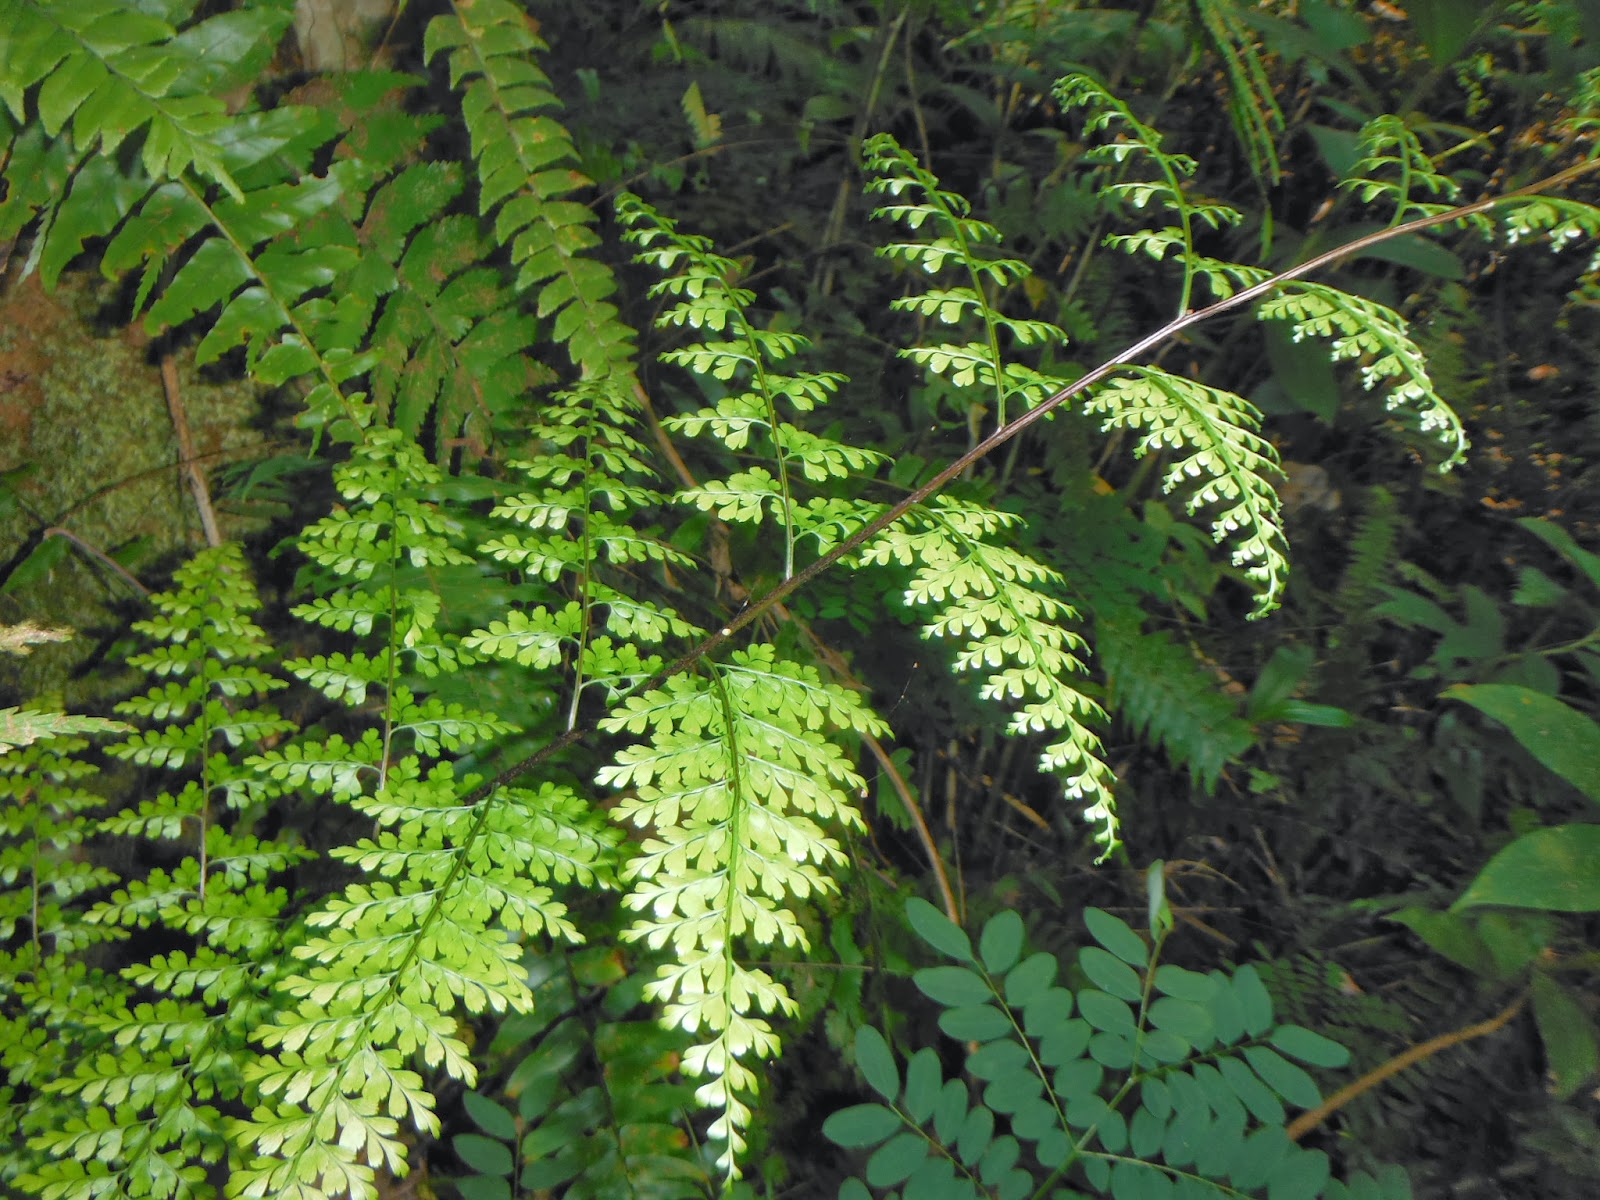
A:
[1138,350]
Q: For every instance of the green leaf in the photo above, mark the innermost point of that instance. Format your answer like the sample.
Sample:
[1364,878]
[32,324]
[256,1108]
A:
[490,1117]
[876,1063]
[923,1083]
[1446,26]
[954,987]
[1184,984]
[1001,943]
[1254,1000]
[483,1154]
[1030,979]
[1309,1047]
[896,1159]
[1299,1175]
[1106,1012]
[1183,1018]
[1559,736]
[1556,869]
[1111,974]
[1113,1050]
[1559,540]
[861,1125]
[1283,1077]
[1451,934]
[484,1187]
[1570,1049]
[975,1023]
[997,1059]
[1114,934]
[943,934]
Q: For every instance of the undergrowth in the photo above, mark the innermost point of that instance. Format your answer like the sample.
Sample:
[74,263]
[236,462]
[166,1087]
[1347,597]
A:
[274,1000]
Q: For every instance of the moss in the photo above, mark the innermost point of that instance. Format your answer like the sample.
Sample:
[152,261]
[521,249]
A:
[87,442]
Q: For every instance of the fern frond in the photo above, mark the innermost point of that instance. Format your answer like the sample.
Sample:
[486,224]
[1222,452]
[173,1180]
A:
[1377,337]
[152,1071]
[989,598]
[955,239]
[740,783]
[525,167]
[1160,688]
[575,525]
[450,341]
[1225,465]
[706,296]
[1257,119]
[445,886]
[1395,168]
[1136,144]
[110,72]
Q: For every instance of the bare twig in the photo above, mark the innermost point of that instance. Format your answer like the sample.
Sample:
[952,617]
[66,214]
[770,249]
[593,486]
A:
[1307,1121]
[186,459]
[96,553]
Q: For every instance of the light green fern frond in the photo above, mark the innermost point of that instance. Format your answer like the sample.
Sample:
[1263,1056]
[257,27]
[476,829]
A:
[995,602]
[160,1056]
[992,601]
[1395,168]
[1220,460]
[706,297]
[954,239]
[1135,144]
[445,886]
[575,527]
[741,784]
[1376,336]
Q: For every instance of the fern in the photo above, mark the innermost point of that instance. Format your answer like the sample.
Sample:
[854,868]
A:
[1163,692]
[46,992]
[1395,168]
[1376,335]
[161,1053]
[997,602]
[287,1044]
[1135,144]
[389,957]
[740,784]
[1219,435]
[524,159]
